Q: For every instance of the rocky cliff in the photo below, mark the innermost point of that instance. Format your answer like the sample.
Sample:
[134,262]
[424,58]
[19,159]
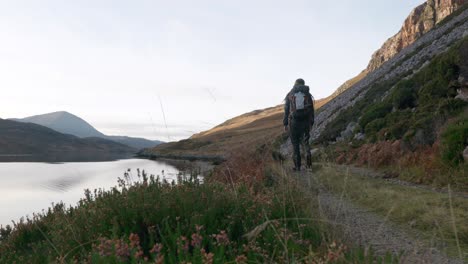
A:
[401,65]
[421,20]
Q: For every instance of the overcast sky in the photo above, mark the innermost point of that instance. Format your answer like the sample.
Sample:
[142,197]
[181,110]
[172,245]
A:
[117,64]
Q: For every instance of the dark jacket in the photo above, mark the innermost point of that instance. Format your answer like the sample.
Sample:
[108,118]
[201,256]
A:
[287,105]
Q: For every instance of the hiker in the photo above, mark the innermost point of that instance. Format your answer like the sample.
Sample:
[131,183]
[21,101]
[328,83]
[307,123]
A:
[298,120]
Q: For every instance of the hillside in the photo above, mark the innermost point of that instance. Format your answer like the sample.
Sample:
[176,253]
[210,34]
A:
[68,123]
[245,131]
[27,141]
[238,133]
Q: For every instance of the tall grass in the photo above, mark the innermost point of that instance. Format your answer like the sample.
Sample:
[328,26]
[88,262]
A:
[439,217]
[155,221]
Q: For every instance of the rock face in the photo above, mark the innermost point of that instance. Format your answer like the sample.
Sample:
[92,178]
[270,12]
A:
[402,64]
[422,19]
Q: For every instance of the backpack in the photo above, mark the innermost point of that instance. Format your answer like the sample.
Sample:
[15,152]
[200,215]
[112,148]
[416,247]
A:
[302,105]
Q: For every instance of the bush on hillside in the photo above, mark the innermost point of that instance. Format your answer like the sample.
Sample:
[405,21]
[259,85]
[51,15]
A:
[454,141]
[374,112]
[404,95]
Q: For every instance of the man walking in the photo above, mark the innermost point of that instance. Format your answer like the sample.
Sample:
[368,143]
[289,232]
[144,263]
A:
[298,120]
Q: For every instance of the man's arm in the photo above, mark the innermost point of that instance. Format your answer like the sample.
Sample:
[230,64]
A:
[286,112]
[312,112]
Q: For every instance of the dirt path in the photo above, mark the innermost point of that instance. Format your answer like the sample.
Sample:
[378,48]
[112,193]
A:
[365,228]
[375,174]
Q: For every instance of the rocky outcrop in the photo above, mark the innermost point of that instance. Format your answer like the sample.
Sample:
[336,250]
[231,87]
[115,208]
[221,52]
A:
[402,64]
[421,20]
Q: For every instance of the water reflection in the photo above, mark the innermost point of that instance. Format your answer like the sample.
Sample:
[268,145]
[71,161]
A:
[30,187]
[63,184]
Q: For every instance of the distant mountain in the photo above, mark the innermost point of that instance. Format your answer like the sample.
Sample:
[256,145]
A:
[42,143]
[65,123]
[139,143]
[68,123]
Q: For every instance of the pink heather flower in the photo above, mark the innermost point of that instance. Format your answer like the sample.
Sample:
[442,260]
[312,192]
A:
[105,247]
[139,254]
[157,248]
[121,249]
[196,240]
[134,240]
[222,238]
[241,259]
[183,243]
[160,260]
[207,257]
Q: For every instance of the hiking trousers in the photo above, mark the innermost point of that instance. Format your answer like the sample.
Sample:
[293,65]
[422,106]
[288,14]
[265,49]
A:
[299,132]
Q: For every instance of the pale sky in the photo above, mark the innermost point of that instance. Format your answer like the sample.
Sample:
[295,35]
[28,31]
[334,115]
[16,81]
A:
[114,63]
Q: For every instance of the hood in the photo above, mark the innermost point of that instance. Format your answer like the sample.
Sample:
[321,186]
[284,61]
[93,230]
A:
[301,88]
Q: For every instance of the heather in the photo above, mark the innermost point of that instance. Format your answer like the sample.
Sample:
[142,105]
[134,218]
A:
[157,221]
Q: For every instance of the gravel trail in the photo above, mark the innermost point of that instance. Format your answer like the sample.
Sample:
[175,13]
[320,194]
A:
[365,228]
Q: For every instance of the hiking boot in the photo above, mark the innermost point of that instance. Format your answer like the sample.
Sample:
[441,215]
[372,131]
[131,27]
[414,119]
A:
[309,162]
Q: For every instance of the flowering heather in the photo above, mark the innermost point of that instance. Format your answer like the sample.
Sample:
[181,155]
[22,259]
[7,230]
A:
[222,238]
[160,222]
[157,248]
[197,240]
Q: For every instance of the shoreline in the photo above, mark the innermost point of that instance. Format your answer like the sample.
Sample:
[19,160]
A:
[216,160]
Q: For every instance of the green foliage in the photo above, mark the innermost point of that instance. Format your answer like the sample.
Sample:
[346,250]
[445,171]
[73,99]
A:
[375,126]
[152,219]
[414,110]
[337,125]
[404,95]
[454,140]
[375,111]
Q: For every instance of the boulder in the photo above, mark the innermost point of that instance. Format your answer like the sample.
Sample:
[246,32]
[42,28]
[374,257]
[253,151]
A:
[359,136]
[462,94]
[349,131]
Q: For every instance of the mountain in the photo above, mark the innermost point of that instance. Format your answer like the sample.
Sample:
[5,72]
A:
[138,143]
[40,143]
[420,21]
[67,123]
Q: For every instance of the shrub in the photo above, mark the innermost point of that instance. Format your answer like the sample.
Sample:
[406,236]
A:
[404,95]
[374,112]
[454,141]
[375,126]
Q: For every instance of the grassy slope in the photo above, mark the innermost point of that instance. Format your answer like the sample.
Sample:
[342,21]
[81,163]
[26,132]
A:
[251,129]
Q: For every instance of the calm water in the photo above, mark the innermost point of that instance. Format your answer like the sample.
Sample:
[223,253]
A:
[30,187]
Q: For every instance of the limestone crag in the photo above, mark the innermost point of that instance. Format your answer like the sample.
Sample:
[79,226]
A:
[421,20]
[402,64]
